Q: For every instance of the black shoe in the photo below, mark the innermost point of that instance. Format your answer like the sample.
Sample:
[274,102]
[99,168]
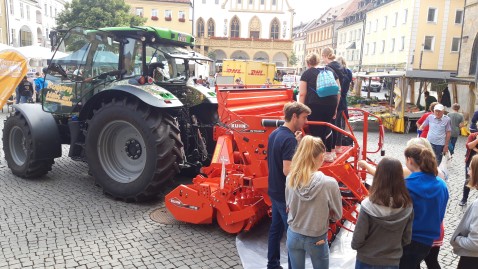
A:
[462,203]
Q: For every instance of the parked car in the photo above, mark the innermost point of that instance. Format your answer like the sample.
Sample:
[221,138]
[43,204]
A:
[375,86]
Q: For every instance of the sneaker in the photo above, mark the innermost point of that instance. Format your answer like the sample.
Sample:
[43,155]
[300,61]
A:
[330,157]
[462,203]
[339,149]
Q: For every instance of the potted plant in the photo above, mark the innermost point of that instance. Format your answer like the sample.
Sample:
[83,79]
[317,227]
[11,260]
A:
[182,19]
[154,18]
[167,18]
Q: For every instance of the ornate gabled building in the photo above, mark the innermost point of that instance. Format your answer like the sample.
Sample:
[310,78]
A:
[244,29]
[323,32]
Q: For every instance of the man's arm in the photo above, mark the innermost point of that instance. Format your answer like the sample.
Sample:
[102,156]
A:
[447,141]
[286,167]
[472,144]
[425,123]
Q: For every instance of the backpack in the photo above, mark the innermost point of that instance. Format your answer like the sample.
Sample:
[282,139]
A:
[326,84]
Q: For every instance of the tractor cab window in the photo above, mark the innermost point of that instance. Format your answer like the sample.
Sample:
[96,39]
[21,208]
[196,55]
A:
[132,51]
[167,63]
[76,70]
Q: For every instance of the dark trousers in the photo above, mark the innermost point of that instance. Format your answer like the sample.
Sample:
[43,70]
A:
[339,122]
[325,113]
[466,190]
[451,145]
[438,149]
[432,259]
[276,231]
[413,255]
[467,263]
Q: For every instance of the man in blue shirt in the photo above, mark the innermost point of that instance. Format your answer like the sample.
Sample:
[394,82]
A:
[281,147]
[439,132]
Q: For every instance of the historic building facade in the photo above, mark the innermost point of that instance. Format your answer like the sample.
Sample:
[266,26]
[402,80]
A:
[413,35]
[30,21]
[323,31]
[171,14]
[244,29]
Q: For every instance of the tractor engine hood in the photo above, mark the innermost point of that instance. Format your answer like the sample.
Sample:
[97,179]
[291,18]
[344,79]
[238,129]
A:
[162,97]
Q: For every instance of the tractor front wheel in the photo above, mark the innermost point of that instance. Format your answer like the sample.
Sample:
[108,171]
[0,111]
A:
[132,149]
[19,149]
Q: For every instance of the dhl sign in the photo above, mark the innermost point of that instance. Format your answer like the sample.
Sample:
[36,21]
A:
[233,71]
[250,72]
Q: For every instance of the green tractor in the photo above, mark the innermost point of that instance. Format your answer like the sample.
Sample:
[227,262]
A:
[126,101]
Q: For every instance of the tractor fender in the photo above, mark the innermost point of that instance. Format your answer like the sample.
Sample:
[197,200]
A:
[149,94]
[44,131]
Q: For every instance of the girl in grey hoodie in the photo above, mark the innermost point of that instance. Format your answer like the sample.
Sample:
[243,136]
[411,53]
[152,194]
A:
[313,199]
[385,221]
[465,238]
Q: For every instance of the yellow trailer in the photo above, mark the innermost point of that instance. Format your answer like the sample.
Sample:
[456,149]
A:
[249,72]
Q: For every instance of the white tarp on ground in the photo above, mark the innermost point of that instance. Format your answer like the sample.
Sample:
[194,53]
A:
[252,249]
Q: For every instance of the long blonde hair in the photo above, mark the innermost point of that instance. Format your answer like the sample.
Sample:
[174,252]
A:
[304,162]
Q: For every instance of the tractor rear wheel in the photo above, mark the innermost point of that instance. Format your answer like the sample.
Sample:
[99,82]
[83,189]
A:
[132,149]
[19,149]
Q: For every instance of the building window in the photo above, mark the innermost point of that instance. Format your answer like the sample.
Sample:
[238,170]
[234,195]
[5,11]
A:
[46,10]
[385,22]
[432,15]
[459,16]
[392,45]
[405,16]
[376,25]
[373,47]
[383,46]
[395,19]
[28,12]
[21,11]
[200,27]
[262,2]
[217,2]
[274,2]
[402,43]
[359,33]
[55,12]
[210,27]
[235,27]
[204,1]
[13,39]
[369,26]
[429,43]
[455,44]
[474,57]
[239,1]
[251,2]
[139,11]
[12,9]
[51,11]
[275,29]
[181,16]
[168,15]
[154,12]
[25,37]
[255,27]
[366,49]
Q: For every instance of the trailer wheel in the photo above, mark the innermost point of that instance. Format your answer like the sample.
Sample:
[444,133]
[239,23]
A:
[19,149]
[132,149]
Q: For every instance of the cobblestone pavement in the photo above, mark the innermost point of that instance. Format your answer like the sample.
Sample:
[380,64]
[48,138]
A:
[64,221]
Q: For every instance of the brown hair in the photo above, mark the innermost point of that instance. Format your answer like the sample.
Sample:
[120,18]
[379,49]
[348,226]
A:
[388,188]
[328,52]
[304,162]
[432,106]
[295,108]
[312,59]
[473,181]
[455,106]
[423,157]
[342,61]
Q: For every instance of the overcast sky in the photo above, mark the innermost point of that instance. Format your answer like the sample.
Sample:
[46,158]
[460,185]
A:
[307,10]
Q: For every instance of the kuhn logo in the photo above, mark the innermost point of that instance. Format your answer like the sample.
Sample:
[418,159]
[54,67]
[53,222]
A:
[238,125]
[256,73]
[234,71]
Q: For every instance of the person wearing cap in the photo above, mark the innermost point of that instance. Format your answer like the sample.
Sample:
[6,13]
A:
[439,132]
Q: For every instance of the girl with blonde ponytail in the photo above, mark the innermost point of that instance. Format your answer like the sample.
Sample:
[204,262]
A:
[312,199]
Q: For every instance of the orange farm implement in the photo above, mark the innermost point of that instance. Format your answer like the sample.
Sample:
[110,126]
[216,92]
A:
[233,188]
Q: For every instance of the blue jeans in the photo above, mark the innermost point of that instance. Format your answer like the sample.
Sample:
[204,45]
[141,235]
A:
[451,145]
[438,149]
[361,265]
[276,231]
[298,245]
[413,254]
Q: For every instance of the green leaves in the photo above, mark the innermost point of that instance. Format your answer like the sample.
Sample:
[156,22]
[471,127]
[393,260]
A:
[97,14]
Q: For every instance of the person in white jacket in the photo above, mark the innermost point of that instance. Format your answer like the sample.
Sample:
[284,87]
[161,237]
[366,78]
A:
[465,238]
[312,199]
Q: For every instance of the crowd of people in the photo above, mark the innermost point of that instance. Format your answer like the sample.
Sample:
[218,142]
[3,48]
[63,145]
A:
[28,92]
[400,223]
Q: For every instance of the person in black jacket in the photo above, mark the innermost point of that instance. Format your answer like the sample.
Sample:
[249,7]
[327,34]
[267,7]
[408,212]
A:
[25,89]
[445,98]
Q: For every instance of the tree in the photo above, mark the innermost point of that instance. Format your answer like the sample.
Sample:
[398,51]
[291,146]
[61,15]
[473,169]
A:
[293,59]
[97,14]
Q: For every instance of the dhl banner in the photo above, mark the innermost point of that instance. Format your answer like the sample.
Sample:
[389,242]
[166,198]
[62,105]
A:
[13,67]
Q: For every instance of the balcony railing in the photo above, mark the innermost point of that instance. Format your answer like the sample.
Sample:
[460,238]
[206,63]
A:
[239,42]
